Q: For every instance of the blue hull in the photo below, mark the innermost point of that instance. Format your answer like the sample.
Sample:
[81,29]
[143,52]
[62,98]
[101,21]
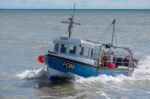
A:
[82,69]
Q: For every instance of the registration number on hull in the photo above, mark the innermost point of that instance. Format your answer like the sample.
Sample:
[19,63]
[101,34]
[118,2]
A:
[68,65]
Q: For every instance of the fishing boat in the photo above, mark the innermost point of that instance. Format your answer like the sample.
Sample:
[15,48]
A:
[86,58]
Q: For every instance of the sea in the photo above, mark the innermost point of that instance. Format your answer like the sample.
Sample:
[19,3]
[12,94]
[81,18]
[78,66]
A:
[26,34]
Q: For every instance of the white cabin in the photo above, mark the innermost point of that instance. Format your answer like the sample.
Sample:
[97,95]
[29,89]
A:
[77,48]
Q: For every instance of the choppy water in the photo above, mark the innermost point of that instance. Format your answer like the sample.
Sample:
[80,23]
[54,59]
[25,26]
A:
[25,34]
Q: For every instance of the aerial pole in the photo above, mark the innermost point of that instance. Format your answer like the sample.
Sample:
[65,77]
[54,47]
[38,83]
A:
[112,40]
[71,22]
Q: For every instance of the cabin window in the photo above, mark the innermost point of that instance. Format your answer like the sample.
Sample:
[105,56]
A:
[86,52]
[56,47]
[63,48]
[96,53]
[91,53]
[81,52]
[72,49]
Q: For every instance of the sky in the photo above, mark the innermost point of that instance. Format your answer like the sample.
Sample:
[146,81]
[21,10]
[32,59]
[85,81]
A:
[80,4]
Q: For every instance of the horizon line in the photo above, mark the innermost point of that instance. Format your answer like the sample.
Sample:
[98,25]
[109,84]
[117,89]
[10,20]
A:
[72,9]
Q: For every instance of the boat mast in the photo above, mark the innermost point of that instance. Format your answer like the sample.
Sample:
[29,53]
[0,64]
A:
[71,22]
[112,40]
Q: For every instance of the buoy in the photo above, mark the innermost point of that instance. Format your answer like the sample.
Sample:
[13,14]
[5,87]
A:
[111,65]
[41,58]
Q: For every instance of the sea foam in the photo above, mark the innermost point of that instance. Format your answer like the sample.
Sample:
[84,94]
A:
[31,74]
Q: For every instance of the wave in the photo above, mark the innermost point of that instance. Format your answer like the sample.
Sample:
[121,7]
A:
[143,71]
[31,74]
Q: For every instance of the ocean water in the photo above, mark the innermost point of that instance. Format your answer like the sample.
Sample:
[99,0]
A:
[25,34]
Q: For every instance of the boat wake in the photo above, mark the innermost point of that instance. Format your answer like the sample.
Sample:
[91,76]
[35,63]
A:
[143,71]
[32,74]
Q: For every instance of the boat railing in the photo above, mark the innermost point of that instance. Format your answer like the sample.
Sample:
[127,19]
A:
[117,61]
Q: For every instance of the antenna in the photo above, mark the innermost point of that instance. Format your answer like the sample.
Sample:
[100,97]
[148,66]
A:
[114,21]
[74,10]
[71,22]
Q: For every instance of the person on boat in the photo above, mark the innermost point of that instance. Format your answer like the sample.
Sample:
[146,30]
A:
[107,57]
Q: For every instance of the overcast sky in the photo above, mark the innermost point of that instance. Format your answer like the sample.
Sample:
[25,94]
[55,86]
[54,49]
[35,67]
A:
[80,4]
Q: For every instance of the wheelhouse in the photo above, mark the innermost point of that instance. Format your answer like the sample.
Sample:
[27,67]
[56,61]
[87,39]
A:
[77,48]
